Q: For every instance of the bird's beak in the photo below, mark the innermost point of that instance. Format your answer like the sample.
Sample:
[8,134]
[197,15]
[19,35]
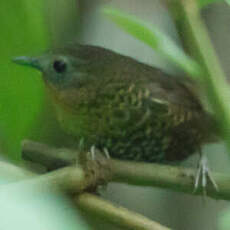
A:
[28,61]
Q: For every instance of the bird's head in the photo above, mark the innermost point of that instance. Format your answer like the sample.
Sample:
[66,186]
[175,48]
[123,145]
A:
[71,74]
[59,69]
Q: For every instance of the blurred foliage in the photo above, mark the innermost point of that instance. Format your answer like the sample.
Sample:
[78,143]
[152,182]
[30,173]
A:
[153,37]
[27,207]
[224,220]
[63,20]
[23,31]
[217,89]
[203,3]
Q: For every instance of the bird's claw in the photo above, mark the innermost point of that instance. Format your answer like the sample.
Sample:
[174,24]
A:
[93,153]
[96,166]
[203,175]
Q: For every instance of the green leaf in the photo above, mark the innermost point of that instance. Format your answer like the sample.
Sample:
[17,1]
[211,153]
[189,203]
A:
[153,37]
[23,32]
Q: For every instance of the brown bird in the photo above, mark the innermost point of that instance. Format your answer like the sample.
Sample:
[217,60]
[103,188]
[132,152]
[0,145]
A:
[134,110]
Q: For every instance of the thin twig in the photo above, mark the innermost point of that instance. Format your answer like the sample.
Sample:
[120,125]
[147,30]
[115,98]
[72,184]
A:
[146,174]
[170,177]
[119,216]
[51,158]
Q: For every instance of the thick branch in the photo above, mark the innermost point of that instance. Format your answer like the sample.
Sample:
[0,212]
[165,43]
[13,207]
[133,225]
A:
[144,174]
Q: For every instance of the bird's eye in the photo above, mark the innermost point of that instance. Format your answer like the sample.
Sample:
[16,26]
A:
[59,66]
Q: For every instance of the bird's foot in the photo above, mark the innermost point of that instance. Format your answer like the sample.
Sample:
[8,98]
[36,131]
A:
[97,168]
[93,152]
[203,175]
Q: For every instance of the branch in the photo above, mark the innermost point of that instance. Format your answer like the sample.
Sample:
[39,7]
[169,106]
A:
[51,158]
[69,179]
[75,180]
[142,174]
[117,215]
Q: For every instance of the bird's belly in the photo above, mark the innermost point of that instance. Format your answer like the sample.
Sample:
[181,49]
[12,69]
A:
[137,145]
[129,134]
[151,143]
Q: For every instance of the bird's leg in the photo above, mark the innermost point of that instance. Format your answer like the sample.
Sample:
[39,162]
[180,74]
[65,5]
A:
[203,174]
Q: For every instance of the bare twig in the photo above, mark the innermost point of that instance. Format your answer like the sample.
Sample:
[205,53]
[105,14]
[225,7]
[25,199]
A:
[119,216]
[51,158]
[144,174]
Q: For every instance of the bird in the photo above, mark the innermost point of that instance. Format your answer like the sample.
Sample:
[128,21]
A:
[135,111]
